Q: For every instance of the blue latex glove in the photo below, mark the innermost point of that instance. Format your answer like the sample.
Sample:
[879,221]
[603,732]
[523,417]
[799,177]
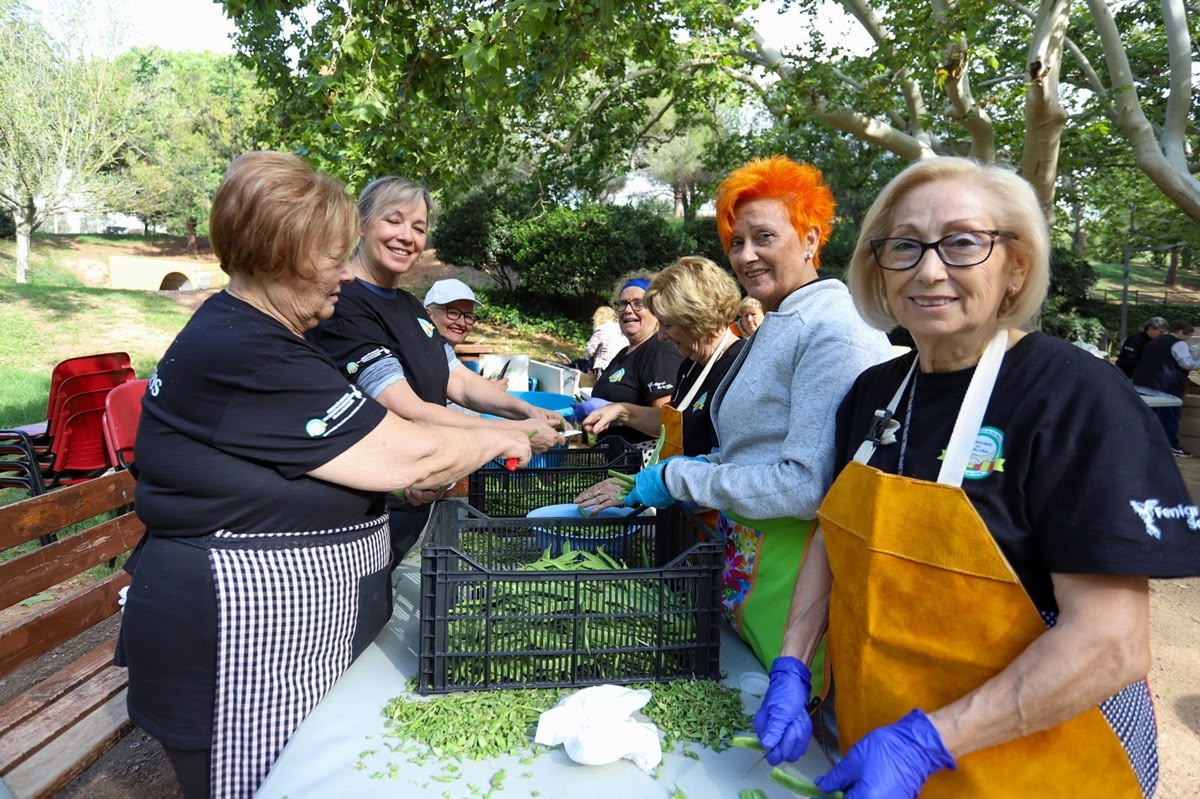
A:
[649,489]
[891,762]
[583,409]
[782,722]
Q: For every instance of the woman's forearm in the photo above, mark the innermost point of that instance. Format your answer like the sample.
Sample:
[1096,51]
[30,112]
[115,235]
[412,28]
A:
[808,614]
[1099,645]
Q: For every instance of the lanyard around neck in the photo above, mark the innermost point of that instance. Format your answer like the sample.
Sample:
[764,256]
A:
[966,426]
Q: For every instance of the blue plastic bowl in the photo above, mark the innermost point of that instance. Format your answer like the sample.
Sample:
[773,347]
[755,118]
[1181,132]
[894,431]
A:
[543,399]
[614,543]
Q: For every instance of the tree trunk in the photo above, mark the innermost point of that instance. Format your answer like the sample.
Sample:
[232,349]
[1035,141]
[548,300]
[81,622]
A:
[191,236]
[24,232]
[677,190]
[1044,114]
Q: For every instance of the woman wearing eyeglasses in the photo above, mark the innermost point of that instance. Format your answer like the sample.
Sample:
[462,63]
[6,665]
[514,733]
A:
[982,558]
[643,373]
[382,338]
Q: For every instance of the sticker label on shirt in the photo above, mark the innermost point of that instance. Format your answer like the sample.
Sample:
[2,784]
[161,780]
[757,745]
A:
[616,376]
[987,455]
[336,414]
[1151,512]
[427,326]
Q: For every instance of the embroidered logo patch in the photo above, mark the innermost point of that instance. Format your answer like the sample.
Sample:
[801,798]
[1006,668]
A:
[700,402]
[427,326]
[616,376]
[987,455]
[1151,512]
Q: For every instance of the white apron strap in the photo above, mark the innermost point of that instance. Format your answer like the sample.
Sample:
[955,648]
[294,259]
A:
[970,415]
[712,359]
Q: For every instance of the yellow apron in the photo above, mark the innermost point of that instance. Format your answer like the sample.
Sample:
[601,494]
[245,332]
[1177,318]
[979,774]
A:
[670,438]
[925,608]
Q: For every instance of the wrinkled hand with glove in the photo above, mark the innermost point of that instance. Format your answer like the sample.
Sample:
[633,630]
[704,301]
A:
[891,762]
[783,724]
[584,409]
[649,489]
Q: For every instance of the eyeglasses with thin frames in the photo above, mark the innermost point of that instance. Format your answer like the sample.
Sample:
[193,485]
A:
[453,314]
[961,248]
[637,305]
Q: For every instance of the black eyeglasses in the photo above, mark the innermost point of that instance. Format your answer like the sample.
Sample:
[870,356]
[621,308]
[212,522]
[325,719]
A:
[637,305]
[453,314]
[962,248]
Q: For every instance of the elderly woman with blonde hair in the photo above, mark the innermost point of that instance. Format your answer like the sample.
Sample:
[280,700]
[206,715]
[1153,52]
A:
[695,301]
[988,608]
[606,339]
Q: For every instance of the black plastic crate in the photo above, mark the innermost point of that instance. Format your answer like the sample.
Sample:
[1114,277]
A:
[488,623]
[552,478]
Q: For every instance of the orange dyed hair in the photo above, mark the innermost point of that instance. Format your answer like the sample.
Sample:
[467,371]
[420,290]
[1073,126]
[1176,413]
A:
[800,187]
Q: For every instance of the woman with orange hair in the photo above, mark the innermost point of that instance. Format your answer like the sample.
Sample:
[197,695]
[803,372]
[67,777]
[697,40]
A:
[774,411]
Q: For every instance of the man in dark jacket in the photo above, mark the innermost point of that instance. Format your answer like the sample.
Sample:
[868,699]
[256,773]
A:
[1131,351]
[1163,374]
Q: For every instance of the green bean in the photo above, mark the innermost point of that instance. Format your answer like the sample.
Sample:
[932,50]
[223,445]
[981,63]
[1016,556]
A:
[746,741]
[752,793]
[800,785]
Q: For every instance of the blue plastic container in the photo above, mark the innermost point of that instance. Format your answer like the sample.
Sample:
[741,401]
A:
[545,399]
[614,538]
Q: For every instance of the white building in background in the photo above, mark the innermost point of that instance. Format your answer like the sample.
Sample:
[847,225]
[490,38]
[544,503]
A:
[73,223]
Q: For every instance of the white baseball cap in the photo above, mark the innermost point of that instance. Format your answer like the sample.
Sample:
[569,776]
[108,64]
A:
[447,291]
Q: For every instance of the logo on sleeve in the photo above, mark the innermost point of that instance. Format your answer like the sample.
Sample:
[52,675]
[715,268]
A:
[987,455]
[155,384]
[616,376]
[336,414]
[352,368]
[1151,513]
[427,326]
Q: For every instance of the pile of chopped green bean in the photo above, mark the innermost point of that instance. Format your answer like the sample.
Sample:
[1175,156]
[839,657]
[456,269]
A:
[475,726]
[696,711]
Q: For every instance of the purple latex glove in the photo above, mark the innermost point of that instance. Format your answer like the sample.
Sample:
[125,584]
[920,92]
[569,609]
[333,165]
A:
[583,409]
[782,722]
[891,762]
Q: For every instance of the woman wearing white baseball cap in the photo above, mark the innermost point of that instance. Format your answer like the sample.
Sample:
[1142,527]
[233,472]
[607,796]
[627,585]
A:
[451,305]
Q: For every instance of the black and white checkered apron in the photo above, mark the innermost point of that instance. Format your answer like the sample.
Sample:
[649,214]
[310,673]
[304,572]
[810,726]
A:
[293,611]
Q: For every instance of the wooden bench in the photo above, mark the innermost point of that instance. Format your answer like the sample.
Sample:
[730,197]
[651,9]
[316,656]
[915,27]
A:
[52,732]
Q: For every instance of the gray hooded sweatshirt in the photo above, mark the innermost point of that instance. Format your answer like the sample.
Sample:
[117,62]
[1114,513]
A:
[775,411]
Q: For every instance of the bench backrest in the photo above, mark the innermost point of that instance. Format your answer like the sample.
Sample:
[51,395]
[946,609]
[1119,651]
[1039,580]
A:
[73,607]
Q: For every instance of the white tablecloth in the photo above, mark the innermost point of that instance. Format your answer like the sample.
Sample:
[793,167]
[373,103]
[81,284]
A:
[340,745]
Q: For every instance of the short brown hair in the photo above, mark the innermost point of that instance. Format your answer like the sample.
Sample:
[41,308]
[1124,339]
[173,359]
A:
[695,294]
[800,187]
[1014,207]
[272,210]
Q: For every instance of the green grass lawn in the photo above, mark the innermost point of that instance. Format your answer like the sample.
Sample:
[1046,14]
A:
[1145,284]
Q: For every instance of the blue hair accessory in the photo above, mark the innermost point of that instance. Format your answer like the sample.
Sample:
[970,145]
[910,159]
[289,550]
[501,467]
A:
[640,282]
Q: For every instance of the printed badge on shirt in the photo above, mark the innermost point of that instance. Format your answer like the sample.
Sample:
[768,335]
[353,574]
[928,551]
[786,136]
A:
[337,414]
[1153,513]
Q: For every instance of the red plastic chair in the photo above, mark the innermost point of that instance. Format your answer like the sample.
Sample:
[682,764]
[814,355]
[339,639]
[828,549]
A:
[79,451]
[85,383]
[122,411]
[39,432]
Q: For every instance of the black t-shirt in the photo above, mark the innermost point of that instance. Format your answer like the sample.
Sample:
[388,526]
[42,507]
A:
[1071,471]
[1131,352]
[237,412]
[639,377]
[370,323]
[699,438]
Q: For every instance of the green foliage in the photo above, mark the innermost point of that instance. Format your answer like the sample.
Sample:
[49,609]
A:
[1071,277]
[535,315]
[702,231]
[1060,320]
[477,231]
[583,251]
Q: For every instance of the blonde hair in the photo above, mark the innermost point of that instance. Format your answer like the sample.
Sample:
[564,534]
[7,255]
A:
[383,194]
[800,187]
[272,211]
[695,294]
[604,313]
[750,302]
[1014,208]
